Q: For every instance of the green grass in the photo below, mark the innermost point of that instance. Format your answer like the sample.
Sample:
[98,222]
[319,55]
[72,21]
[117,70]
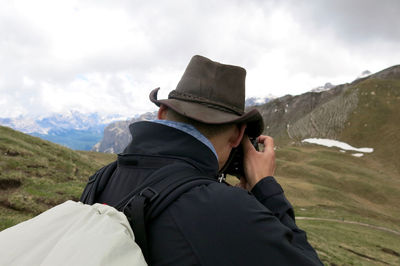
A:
[376,121]
[36,175]
[336,185]
[349,244]
[323,182]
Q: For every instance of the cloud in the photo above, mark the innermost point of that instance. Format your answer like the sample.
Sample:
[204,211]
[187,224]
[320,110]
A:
[356,21]
[106,56]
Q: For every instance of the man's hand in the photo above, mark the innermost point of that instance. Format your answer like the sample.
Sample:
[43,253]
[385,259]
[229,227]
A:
[257,165]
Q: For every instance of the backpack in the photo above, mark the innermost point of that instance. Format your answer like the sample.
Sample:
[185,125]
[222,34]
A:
[72,233]
[150,198]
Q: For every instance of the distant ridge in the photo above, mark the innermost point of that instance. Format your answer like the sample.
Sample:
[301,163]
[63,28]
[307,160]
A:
[73,129]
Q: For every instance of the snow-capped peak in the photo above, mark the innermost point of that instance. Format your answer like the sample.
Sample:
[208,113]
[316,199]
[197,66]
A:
[59,121]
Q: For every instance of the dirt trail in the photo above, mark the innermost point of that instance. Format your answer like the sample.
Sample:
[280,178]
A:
[351,222]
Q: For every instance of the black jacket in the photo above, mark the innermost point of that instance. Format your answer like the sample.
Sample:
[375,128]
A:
[213,224]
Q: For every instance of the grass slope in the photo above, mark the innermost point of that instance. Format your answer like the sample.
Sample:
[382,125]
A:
[340,190]
[36,175]
[376,121]
[325,183]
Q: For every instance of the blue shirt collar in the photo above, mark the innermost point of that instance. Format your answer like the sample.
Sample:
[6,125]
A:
[189,129]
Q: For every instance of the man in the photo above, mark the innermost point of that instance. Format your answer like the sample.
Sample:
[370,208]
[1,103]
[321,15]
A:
[199,124]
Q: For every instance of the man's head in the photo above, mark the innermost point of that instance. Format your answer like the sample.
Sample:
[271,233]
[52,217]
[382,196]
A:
[223,137]
[211,97]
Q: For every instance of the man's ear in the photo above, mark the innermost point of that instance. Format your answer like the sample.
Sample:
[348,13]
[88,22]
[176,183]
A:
[162,112]
[238,135]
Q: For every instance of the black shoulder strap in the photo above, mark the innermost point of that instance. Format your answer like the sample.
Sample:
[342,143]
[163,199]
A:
[160,189]
[97,182]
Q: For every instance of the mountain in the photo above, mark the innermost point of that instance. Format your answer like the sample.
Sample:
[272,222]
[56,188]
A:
[364,112]
[117,136]
[72,129]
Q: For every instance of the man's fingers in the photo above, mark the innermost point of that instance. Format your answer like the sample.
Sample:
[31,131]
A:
[247,146]
[267,141]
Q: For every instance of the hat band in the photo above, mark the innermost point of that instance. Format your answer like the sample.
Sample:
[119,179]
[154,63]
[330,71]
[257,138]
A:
[212,104]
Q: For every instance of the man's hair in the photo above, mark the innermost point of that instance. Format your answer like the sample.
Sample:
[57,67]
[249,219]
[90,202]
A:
[208,130]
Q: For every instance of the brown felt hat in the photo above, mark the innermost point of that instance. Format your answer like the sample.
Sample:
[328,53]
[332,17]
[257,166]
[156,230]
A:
[212,93]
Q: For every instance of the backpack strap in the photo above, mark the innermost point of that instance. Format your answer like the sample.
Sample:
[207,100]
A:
[160,189]
[97,183]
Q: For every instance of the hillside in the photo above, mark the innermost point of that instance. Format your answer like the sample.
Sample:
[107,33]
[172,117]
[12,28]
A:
[362,113]
[347,205]
[37,174]
[326,183]
[376,120]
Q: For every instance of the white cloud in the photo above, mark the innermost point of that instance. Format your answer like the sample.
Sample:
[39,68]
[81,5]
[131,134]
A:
[106,56]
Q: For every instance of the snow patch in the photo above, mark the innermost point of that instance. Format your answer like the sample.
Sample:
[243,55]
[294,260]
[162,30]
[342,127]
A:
[358,154]
[335,143]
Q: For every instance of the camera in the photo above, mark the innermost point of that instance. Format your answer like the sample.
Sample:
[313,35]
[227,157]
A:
[234,165]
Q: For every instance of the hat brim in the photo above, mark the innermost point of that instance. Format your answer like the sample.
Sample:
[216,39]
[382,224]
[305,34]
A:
[209,115]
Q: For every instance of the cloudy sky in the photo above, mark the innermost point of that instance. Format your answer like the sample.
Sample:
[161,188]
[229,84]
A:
[106,56]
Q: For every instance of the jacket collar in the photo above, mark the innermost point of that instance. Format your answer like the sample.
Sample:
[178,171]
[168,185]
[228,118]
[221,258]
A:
[155,139]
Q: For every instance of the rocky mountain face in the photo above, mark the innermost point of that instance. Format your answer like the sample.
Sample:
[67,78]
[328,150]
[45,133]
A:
[322,114]
[296,117]
[117,136]
[364,113]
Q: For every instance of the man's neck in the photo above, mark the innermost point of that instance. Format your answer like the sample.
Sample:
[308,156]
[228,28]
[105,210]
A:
[191,130]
